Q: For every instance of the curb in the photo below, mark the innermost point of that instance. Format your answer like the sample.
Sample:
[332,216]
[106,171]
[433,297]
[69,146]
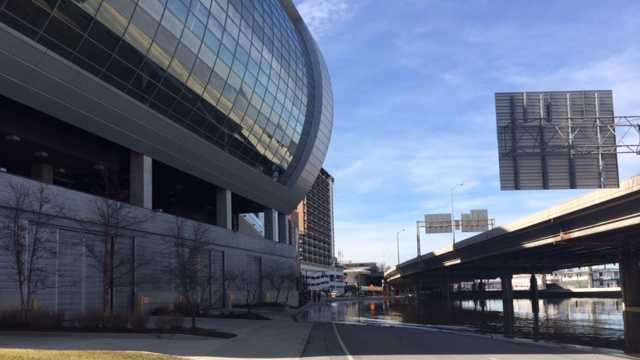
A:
[302,309]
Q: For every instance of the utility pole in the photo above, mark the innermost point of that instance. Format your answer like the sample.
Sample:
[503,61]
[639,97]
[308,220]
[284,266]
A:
[398,244]
[418,236]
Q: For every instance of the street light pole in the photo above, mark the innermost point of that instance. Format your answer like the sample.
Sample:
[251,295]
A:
[418,236]
[453,221]
[398,244]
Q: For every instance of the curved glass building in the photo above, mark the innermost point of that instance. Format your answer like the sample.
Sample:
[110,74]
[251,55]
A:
[211,117]
[232,92]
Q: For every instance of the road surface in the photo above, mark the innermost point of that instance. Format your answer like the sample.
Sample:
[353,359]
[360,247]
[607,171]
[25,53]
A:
[329,341]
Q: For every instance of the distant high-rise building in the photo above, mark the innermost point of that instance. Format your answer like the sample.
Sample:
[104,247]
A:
[315,222]
[316,247]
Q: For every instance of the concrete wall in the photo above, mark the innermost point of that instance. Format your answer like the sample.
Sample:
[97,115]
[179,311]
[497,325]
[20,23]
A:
[75,283]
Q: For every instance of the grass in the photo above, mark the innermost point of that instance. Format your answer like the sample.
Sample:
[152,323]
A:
[20,354]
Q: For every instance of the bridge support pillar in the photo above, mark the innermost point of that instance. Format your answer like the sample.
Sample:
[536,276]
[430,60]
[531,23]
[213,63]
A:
[507,304]
[535,305]
[445,289]
[533,287]
[630,276]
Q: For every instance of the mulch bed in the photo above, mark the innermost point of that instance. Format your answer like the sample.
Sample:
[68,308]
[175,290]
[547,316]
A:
[183,331]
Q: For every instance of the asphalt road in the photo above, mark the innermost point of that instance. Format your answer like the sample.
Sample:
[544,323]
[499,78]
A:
[346,342]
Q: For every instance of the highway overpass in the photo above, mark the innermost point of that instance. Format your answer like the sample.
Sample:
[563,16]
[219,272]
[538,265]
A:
[598,228]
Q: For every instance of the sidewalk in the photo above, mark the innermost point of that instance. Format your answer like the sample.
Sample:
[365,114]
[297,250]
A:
[280,338]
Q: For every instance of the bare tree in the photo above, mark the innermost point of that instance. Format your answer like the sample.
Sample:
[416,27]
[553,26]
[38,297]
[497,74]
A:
[27,238]
[290,283]
[113,219]
[250,285]
[279,278]
[189,270]
[231,285]
[245,284]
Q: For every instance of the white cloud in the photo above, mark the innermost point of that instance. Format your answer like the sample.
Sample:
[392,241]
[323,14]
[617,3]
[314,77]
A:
[321,16]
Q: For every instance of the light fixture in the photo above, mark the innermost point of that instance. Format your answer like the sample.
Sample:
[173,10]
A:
[12,138]
[41,154]
[62,171]
[99,167]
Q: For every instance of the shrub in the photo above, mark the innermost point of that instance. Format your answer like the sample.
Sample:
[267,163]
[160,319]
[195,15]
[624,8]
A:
[165,323]
[116,322]
[93,320]
[42,320]
[138,321]
[13,319]
[161,310]
[182,308]
[34,320]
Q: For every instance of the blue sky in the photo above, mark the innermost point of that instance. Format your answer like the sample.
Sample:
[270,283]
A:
[414,84]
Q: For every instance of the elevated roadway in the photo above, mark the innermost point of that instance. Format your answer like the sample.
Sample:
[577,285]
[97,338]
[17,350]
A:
[598,228]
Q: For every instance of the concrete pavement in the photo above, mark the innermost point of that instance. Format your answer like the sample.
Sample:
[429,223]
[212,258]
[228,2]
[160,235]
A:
[379,342]
[279,338]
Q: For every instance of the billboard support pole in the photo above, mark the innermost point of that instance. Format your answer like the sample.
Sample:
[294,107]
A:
[514,145]
[453,222]
[599,138]
[572,160]
[543,145]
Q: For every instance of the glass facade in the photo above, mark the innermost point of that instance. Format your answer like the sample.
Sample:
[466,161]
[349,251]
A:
[235,72]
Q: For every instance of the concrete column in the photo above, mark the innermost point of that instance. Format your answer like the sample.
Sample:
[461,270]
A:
[535,306]
[507,304]
[223,209]
[630,276]
[533,287]
[271,224]
[42,172]
[445,289]
[140,180]
[283,229]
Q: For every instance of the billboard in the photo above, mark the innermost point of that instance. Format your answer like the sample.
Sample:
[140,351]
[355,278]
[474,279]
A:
[437,223]
[475,221]
[556,140]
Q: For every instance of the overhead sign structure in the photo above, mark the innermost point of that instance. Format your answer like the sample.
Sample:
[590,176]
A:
[475,221]
[437,223]
[556,140]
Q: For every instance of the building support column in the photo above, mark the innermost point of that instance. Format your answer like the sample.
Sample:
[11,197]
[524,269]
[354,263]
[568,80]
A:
[445,289]
[271,224]
[140,180]
[223,209]
[283,228]
[630,276]
[481,295]
[507,304]
[42,172]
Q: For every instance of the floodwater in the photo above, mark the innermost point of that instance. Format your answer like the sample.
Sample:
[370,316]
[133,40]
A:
[582,321]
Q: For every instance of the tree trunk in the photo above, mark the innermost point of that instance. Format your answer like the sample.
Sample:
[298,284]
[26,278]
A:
[278,295]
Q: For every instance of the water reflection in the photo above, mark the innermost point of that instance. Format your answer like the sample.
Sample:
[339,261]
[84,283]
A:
[586,321]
